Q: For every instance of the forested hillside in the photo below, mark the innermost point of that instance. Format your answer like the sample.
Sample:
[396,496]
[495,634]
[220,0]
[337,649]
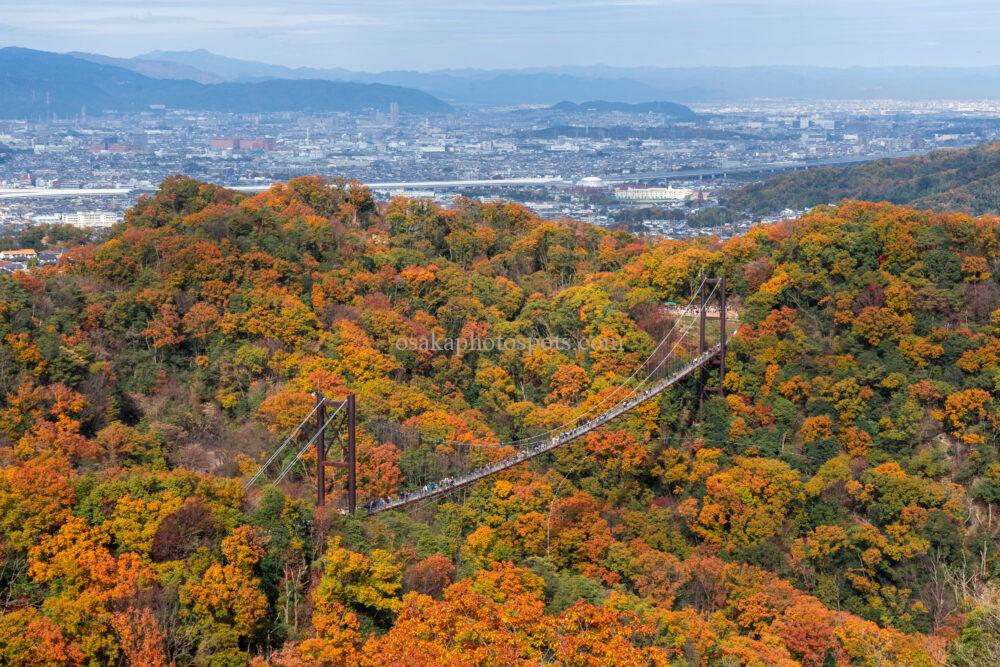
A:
[966,180]
[835,508]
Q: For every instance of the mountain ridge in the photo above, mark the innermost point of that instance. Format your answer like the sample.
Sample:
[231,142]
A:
[964,179]
[682,84]
[154,69]
[34,83]
[464,86]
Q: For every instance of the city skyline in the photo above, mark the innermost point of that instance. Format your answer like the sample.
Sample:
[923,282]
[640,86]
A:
[441,34]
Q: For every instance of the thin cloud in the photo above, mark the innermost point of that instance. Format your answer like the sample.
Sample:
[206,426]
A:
[97,19]
[432,34]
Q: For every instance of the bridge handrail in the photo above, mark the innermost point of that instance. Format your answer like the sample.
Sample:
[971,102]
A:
[449,484]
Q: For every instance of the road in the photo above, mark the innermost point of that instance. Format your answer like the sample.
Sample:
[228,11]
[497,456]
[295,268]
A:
[683,174]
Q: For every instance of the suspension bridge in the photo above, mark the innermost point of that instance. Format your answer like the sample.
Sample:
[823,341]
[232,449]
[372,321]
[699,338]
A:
[671,361]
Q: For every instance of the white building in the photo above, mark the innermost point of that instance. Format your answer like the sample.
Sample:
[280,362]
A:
[79,219]
[590,182]
[409,194]
[653,194]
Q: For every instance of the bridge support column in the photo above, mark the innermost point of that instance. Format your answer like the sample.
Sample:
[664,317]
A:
[351,458]
[703,373]
[720,284]
[349,455]
[722,335]
[320,450]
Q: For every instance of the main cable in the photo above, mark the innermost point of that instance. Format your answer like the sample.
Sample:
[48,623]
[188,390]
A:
[541,436]
[302,451]
[274,455]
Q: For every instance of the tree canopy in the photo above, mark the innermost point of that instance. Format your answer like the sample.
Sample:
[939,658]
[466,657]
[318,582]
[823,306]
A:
[834,507]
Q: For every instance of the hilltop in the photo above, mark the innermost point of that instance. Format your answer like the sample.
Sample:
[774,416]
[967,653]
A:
[814,515]
[966,180]
[154,69]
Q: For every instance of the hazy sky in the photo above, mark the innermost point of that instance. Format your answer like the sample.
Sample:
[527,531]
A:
[428,34]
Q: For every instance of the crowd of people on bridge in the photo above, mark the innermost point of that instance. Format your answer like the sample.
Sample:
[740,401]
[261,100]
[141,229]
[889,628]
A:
[379,504]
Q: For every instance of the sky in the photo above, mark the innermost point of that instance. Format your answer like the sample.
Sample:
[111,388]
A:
[375,35]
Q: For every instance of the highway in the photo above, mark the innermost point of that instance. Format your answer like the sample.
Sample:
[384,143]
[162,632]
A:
[35,193]
[682,174]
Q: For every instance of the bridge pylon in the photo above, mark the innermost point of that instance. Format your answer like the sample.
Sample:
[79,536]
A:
[348,458]
[705,292]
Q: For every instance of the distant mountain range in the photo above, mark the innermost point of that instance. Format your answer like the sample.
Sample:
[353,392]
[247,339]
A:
[34,83]
[549,85]
[965,180]
[154,69]
[37,83]
[476,87]
[235,69]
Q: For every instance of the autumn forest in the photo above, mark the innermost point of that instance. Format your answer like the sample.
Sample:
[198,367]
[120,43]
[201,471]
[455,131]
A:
[833,505]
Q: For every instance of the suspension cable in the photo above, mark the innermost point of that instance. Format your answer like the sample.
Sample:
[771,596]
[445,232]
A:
[576,418]
[302,451]
[522,455]
[263,468]
[656,368]
[541,436]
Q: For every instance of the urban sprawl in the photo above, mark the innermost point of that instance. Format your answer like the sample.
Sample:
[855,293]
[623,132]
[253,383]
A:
[647,172]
